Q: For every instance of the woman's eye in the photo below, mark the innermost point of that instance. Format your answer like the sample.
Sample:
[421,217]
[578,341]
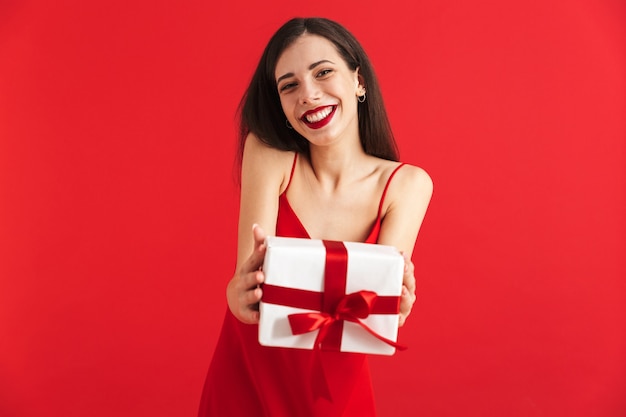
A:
[324,72]
[286,87]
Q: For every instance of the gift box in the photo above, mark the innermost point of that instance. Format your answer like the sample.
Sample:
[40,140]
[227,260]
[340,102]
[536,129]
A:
[330,295]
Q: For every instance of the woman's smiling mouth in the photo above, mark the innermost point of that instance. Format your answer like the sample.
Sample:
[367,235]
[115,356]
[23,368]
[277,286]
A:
[318,117]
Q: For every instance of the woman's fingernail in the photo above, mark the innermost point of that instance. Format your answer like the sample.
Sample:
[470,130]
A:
[254,226]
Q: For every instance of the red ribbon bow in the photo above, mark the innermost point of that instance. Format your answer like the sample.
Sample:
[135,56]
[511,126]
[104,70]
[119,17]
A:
[352,307]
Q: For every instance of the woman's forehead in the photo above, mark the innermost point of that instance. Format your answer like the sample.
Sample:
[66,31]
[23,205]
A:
[304,51]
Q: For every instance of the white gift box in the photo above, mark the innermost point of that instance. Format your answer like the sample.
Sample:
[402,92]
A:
[295,271]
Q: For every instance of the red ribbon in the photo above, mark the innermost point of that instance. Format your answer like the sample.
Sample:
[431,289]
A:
[334,308]
[352,307]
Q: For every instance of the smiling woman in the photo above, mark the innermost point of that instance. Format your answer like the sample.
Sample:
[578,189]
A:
[316,141]
[312,95]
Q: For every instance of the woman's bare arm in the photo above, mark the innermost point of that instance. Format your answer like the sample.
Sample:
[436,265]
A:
[408,197]
[264,174]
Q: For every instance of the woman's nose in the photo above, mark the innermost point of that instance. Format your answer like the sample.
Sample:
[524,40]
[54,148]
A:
[309,92]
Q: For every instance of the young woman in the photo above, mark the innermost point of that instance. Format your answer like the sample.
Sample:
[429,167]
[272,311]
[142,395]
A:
[318,160]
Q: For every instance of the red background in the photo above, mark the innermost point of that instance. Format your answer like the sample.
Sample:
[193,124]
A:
[118,207]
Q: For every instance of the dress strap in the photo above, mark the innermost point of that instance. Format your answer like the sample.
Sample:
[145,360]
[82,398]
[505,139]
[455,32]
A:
[382,198]
[293,169]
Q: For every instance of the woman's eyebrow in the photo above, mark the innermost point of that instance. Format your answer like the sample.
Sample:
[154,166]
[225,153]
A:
[323,61]
[312,66]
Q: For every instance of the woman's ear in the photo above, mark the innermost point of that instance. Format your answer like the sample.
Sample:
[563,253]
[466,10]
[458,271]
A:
[360,82]
[359,78]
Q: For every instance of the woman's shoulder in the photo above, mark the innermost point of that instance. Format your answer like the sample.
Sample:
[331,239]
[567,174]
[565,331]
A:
[406,184]
[414,176]
[408,196]
[254,146]
[262,163]
[405,176]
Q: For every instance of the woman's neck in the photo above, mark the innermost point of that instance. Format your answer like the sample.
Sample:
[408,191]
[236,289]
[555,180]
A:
[337,164]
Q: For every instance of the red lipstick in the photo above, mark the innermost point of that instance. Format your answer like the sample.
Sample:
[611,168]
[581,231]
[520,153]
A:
[320,123]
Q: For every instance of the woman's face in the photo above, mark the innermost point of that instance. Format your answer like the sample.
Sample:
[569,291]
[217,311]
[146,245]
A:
[318,92]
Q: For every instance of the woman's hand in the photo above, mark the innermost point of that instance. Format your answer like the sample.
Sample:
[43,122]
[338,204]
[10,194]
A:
[408,290]
[243,292]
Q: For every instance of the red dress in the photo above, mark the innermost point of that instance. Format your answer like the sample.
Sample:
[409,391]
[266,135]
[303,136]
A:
[246,379]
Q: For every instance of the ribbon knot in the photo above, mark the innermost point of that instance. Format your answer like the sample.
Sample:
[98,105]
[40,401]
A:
[352,307]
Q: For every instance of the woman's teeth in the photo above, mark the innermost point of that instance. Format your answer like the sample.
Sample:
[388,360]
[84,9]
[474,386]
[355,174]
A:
[316,117]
